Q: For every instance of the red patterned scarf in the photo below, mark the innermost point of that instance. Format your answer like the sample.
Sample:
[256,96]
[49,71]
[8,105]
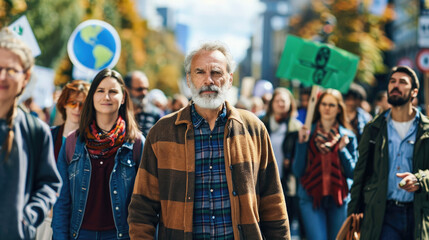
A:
[325,141]
[104,145]
[324,176]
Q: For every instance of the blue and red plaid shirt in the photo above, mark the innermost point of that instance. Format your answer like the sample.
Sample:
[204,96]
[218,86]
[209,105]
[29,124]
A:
[212,206]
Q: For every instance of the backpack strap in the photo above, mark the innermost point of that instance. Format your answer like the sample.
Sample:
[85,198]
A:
[70,146]
[34,144]
[137,150]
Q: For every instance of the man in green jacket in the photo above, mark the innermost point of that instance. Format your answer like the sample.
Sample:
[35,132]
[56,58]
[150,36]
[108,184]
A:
[208,171]
[391,185]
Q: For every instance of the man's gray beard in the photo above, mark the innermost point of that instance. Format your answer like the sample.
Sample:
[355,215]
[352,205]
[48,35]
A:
[209,101]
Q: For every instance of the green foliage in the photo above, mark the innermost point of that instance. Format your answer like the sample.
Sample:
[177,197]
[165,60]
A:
[53,22]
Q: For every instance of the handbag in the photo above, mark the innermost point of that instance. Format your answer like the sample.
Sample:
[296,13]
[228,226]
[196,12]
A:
[350,230]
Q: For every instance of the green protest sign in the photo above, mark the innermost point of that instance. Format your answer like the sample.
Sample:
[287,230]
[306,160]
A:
[315,63]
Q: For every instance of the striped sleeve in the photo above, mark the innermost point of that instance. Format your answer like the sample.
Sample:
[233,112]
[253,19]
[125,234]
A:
[145,203]
[274,220]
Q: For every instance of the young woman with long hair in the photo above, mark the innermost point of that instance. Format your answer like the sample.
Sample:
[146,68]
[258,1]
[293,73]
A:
[325,158]
[99,176]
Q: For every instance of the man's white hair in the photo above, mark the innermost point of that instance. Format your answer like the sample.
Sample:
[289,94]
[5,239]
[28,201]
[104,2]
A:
[211,46]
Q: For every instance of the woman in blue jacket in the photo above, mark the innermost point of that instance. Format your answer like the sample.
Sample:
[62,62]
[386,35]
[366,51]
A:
[99,175]
[325,158]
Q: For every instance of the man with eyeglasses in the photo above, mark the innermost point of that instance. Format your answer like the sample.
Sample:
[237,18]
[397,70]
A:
[29,179]
[390,183]
[146,115]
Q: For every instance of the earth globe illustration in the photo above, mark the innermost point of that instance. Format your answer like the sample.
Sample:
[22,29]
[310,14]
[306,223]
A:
[94,45]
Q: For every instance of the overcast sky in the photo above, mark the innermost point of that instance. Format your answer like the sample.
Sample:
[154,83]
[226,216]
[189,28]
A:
[230,21]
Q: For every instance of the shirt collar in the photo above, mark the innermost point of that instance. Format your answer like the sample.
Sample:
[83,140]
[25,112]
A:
[197,120]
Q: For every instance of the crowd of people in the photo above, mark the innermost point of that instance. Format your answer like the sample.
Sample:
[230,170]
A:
[129,163]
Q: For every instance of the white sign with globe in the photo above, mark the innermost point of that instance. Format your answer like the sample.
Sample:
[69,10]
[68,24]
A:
[94,45]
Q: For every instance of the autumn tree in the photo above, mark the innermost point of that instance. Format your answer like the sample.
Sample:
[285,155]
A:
[356,30]
[142,48]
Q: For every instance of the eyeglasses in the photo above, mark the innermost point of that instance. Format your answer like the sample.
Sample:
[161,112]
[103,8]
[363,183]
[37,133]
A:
[74,104]
[11,72]
[330,105]
[140,89]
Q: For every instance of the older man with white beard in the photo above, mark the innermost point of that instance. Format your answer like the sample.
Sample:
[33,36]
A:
[208,171]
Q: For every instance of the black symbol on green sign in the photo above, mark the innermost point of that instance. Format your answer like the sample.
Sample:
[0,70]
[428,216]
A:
[320,65]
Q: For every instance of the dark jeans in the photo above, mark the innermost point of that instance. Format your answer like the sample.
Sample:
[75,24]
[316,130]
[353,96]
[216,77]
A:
[97,235]
[398,222]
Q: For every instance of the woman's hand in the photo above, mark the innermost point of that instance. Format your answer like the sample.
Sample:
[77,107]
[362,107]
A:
[343,142]
[303,134]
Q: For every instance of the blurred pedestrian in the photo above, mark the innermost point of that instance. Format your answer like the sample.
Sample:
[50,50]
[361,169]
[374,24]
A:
[380,103]
[30,106]
[391,177]
[29,180]
[304,99]
[357,117]
[257,106]
[208,171]
[243,103]
[69,105]
[146,114]
[324,159]
[283,128]
[178,102]
[158,100]
[99,174]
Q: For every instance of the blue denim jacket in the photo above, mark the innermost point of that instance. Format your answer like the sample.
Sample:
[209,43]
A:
[70,207]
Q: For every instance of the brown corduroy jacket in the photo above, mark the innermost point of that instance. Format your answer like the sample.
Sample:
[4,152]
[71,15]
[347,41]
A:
[164,186]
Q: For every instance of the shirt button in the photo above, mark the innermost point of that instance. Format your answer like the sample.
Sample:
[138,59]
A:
[213,217]
[234,193]
[211,167]
[129,161]
[115,192]
[120,234]
[210,136]
[117,208]
[101,162]
[211,190]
